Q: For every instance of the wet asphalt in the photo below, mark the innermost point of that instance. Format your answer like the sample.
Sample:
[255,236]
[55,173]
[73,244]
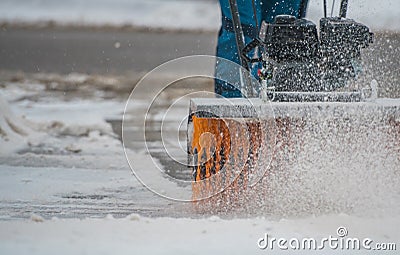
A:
[66,50]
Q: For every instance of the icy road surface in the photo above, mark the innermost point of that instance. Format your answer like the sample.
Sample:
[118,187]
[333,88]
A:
[68,162]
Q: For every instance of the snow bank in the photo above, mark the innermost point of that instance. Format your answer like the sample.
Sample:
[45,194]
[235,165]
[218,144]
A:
[176,14]
[14,131]
[36,122]
[153,13]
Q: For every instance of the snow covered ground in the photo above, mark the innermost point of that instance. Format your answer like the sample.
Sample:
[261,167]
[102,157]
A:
[186,14]
[140,235]
[65,188]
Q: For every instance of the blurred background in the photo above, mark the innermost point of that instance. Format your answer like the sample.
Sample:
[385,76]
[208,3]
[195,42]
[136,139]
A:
[129,37]
[180,14]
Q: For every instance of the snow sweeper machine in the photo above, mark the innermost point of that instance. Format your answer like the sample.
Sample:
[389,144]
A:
[300,96]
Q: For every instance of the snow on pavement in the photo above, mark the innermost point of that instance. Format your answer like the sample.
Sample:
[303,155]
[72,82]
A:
[60,206]
[81,176]
[68,161]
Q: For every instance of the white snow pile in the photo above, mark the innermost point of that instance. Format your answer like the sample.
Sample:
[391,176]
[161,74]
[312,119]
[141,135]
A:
[14,131]
[175,14]
[36,123]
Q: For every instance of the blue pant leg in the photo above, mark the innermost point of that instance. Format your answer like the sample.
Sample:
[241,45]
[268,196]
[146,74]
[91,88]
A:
[227,48]
[224,71]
